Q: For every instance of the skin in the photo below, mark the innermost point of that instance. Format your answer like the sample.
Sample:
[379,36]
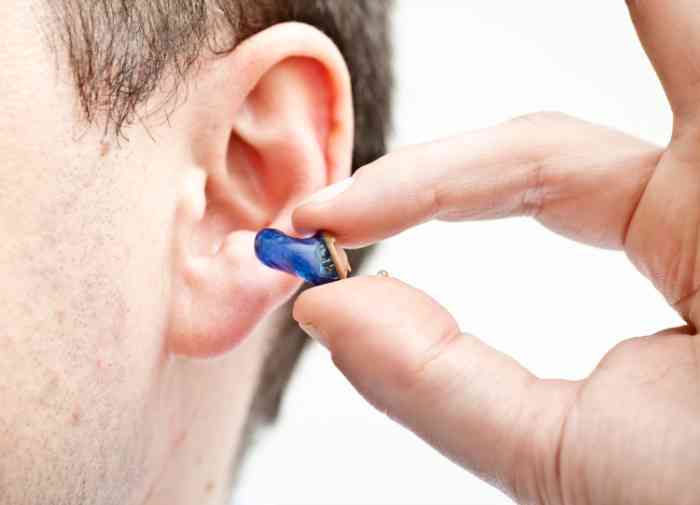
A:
[629,433]
[134,316]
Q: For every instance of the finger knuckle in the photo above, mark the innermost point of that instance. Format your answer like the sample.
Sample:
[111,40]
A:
[533,198]
[541,457]
[429,363]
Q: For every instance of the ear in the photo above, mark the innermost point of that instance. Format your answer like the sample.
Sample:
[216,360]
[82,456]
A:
[264,127]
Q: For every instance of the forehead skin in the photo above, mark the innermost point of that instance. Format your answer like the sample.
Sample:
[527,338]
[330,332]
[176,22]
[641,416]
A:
[75,256]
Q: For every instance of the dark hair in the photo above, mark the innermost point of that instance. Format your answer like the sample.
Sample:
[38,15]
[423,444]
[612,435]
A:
[121,52]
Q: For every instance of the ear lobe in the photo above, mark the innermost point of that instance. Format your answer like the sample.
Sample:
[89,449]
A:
[281,133]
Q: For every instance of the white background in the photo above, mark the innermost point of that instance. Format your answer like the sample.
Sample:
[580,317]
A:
[553,304]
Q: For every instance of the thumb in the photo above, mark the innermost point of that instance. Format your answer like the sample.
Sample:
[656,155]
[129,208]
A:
[405,354]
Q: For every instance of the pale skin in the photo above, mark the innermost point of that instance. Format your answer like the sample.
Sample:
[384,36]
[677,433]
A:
[628,433]
[134,316]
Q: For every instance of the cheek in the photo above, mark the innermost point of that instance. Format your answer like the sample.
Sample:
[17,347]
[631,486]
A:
[82,256]
[81,327]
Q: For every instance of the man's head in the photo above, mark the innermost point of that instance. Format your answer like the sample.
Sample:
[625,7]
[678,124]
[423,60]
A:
[143,143]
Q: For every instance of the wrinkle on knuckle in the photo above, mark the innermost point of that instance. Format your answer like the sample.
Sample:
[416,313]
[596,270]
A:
[536,169]
[423,374]
[542,438]
[565,433]
[533,198]
[525,461]
[435,201]
[443,200]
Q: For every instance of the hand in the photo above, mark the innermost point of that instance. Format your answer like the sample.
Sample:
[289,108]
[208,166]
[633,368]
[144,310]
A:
[629,433]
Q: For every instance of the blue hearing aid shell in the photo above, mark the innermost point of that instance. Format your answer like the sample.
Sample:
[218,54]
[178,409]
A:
[316,259]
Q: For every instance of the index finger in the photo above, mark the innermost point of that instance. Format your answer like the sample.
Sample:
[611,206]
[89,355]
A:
[577,178]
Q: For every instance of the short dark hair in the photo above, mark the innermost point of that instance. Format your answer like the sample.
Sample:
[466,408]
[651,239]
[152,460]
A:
[121,51]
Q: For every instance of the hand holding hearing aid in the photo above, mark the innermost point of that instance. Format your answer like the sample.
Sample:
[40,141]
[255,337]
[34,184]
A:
[630,432]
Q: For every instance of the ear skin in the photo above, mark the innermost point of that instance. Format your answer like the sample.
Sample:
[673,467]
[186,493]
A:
[271,124]
[204,324]
[281,140]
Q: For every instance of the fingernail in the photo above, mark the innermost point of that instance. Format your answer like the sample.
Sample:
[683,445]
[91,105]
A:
[329,192]
[312,332]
